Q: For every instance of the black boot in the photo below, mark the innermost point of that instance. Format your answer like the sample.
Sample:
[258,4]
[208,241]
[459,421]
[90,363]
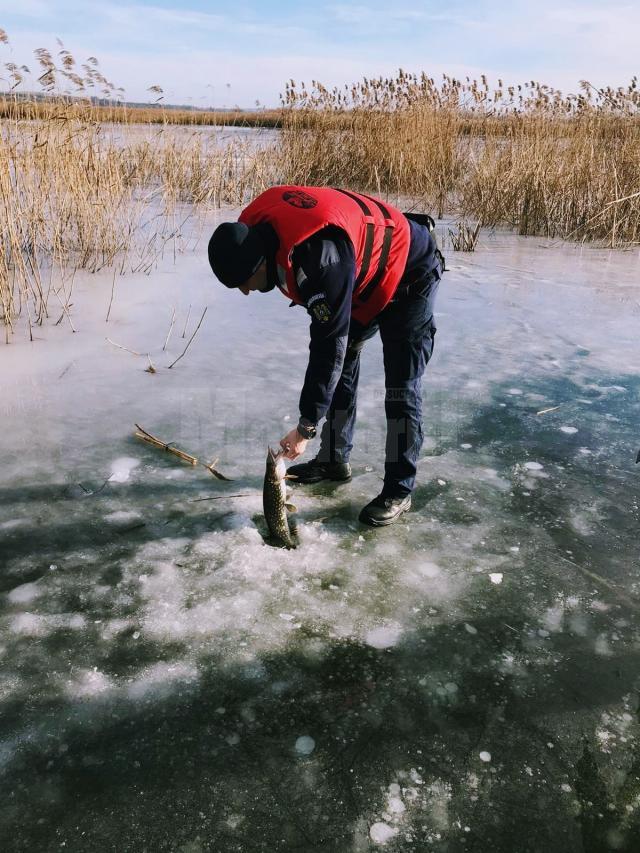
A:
[315,471]
[384,510]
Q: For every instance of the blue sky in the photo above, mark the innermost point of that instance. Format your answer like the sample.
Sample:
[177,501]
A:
[239,52]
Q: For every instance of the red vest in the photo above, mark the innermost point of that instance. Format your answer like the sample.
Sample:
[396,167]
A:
[378,231]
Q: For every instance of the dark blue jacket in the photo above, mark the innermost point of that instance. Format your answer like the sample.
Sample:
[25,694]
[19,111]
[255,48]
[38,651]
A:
[325,271]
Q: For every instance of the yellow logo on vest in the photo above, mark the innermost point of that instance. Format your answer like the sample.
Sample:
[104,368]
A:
[321,311]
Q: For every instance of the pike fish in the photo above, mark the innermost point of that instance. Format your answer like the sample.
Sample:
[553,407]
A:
[274,501]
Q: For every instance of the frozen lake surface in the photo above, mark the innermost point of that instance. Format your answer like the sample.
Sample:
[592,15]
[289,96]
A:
[159,135]
[466,680]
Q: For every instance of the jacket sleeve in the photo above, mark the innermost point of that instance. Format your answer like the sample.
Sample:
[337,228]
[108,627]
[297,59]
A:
[326,275]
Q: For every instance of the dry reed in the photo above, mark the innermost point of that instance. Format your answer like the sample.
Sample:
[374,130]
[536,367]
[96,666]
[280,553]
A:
[31,108]
[464,238]
[77,194]
[525,157]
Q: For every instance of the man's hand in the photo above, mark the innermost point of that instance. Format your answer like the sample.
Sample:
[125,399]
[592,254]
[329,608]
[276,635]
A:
[293,444]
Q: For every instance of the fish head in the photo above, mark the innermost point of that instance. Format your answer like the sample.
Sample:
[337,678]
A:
[275,463]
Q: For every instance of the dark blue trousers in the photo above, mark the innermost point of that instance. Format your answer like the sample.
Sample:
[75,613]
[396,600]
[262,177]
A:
[407,330]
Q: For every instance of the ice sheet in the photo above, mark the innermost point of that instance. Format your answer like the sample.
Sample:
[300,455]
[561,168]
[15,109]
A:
[169,678]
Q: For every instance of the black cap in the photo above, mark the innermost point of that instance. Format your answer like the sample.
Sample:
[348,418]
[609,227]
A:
[235,252]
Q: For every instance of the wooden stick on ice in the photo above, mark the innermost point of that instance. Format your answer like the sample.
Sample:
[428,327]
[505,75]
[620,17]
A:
[153,440]
[163,445]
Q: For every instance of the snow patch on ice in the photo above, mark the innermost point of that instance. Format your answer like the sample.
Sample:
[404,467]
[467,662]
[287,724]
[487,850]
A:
[586,523]
[37,625]
[602,646]
[10,683]
[554,617]
[87,684]
[113,627]
[428,569]
[162,679]
[396,806]
[122,516]
[121,469]
[383,637]
[381,832]
[12,523]
[305,745]
[578,624]
[25,593]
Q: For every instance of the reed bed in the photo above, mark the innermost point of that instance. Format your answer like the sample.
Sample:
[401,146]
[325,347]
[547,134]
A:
[525,157]
[71,198]
[74,195]
[31,108]
[82,188]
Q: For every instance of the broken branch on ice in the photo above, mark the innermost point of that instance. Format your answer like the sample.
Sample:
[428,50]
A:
[169,447]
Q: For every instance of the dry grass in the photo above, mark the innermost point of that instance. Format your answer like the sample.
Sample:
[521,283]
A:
[82,188]
[464,238]
[72,198]
[525,157]
[76,195]
[118,113]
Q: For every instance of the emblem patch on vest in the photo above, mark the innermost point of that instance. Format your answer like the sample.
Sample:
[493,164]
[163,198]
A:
[321,311]
[299,198]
